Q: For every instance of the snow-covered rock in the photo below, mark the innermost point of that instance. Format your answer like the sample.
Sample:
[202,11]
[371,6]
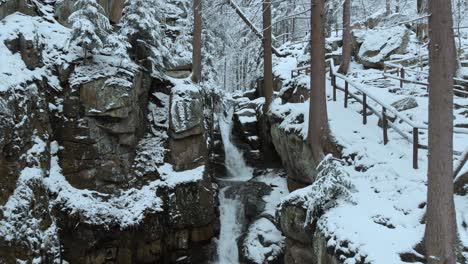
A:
[380,44]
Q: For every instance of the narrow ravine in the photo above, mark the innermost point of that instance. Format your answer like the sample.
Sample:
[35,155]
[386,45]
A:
[237,172]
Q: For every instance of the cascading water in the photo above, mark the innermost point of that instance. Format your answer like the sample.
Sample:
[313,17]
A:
[237,171]
[234,161]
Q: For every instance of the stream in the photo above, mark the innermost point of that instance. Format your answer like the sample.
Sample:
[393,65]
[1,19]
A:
[237,172]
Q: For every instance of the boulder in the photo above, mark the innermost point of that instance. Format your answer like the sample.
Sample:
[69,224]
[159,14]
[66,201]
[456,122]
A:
[294,93]
[405,104]
[186,113]
[296,156]
[187,143]
[380,44]
[400,105]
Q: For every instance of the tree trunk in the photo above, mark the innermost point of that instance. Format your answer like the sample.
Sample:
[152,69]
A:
[397,6]
[197,39]
[421,30]
[388,7]
[318,118]
[440,233]
[347,42]
[267,55]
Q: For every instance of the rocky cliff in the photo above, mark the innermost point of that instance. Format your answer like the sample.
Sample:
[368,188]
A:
[96,159]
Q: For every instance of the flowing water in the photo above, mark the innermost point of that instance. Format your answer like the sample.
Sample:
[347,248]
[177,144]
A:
[237,171]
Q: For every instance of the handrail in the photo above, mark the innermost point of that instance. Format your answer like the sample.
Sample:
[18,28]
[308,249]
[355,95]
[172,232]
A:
[414,139]
[461,164]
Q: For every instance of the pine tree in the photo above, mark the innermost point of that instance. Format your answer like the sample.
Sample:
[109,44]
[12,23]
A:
[197,41]
[141,22]
[347,38]
[318,132]
[90,26]
[441,228]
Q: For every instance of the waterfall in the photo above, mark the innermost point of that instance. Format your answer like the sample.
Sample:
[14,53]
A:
[230,208]
[234,161]
[230,229]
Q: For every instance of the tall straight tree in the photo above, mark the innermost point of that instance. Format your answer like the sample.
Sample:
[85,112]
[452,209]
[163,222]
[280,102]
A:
[318,131]
[388,7]
[267,55]
[440,233]
[346,52]
[197,39]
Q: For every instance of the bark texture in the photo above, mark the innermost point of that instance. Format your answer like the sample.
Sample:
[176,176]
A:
[318,117]
[267,55]
[388,7]
[197,39]
[347,38]
[440,233]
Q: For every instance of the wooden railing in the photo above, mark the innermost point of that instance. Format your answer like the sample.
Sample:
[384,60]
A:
[396,66]
[363,96]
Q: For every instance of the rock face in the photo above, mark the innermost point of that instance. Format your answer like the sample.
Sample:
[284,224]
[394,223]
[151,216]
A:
[296,156]
[187,223]
[29,51]
[378,45]
[11,6]
[304,244]
[186,128]
[103,121]
[246,130]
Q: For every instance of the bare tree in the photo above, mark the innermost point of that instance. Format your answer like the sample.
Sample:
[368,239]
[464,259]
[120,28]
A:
[318,131]
[267,55]
[440,233]
[347,41]
[197,38]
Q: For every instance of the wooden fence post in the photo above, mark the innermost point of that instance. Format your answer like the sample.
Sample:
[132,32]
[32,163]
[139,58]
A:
[346,91]
[334,86]
[415,147]
[385,125]
[402,77]
[364,109]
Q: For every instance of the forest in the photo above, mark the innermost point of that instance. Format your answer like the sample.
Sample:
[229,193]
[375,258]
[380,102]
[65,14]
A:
[234,131]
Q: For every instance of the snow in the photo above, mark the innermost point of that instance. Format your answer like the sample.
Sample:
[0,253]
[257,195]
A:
[127,208]
[263,232]
[382,217]
[52,35]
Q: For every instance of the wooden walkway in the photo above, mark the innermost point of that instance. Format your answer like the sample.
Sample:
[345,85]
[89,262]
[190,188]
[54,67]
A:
[357,91]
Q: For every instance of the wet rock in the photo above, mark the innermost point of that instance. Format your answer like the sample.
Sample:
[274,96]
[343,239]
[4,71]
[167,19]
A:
[250,195]
[186,225]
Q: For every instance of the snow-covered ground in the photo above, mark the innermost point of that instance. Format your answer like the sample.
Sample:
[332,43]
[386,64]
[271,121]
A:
[385,216]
